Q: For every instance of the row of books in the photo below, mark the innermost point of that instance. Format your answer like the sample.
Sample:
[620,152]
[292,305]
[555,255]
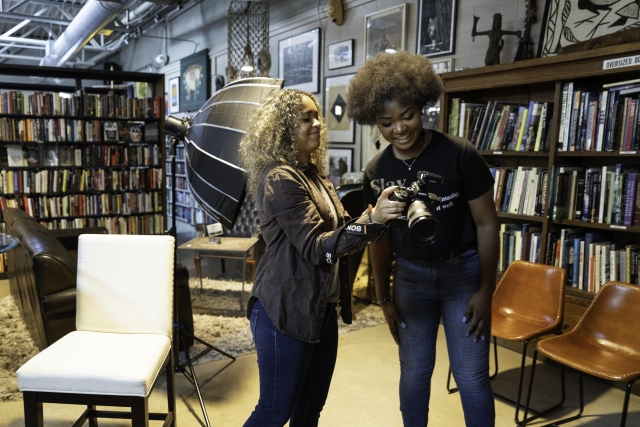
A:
[606,195]
[134,224]
[181,183]
[81,103]
[78,180]
[591,259]
[520,190]
[502,125]
[86,204]
[184,199]
[181,168]
[183,213]
[600,120]
[518,242]
[89,155]
[76,130]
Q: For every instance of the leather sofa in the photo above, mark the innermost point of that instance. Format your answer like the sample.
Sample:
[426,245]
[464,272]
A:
[42,278]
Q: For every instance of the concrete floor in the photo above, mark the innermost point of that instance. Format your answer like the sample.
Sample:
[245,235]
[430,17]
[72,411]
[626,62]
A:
[364,387]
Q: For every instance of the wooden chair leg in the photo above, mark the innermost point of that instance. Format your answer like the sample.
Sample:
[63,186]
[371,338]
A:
[32,410]
[196,261]
[140,412]
[252,265]
[222,264]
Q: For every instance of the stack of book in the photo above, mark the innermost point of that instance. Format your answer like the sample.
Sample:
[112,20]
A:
[518,242]
[600,120]
[520,190]
[605,195]
[501,125]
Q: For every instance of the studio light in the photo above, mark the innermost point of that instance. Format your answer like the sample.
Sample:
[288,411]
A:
[212,139]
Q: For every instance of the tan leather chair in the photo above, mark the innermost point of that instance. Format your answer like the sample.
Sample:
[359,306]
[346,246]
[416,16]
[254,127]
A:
[604,343]
[527,304]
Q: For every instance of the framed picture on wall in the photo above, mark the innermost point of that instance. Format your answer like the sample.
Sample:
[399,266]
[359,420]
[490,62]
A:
[340,161]
[340,54]
[174,95]
[384,31]
[437,27]
[194,79]
[567,22]
[442,66]
[372,144]
[299,61]
[340,128]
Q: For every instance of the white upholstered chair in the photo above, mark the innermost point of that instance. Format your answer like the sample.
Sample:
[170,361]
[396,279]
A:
[123,337]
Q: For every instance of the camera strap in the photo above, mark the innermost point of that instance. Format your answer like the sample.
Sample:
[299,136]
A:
[370,232]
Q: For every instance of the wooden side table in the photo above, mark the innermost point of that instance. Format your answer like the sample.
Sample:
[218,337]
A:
[229,247]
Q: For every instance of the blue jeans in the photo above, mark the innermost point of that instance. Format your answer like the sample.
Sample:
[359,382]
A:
[294,375]
[423,293]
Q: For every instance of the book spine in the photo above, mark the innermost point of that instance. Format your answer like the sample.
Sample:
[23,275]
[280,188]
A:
[630,198]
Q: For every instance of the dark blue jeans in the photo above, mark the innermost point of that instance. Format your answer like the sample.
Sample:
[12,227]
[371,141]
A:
[425,292]
[294,375]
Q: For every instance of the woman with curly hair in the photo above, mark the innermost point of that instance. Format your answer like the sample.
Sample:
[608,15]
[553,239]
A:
[452,279]
[297,285]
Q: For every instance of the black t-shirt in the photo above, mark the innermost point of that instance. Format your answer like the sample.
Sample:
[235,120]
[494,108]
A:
[466,177]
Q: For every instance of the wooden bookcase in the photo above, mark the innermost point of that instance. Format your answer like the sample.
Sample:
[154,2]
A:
[136,203]
[542,80]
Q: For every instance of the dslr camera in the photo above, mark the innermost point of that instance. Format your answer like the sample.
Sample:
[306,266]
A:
[424,228]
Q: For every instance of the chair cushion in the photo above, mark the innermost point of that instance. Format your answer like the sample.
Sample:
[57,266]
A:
[509,325]
[591,355]
[97,363]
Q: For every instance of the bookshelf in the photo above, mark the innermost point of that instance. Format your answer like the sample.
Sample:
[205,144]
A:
[83,148]
[544,80]
[187,208]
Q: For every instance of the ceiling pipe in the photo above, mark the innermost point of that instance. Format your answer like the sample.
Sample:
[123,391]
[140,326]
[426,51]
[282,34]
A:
[93,17]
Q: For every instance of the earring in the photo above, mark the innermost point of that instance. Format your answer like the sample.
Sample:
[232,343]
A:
[377,143]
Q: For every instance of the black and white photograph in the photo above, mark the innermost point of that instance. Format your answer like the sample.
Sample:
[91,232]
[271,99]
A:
[384,31]
[340,161]
[340,54]
[339,127]
[442,66]
[299,61]
[431,116]
[437,27]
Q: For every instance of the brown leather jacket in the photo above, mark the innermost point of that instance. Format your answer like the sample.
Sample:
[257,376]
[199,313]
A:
[293,277]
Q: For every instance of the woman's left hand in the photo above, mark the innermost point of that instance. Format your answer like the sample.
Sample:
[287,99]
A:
[478,314]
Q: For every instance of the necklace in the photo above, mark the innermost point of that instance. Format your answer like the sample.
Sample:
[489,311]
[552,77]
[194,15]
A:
[424,144]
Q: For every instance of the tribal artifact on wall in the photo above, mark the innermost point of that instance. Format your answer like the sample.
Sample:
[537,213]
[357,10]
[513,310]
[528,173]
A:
[525,47]
[495,38]
[571,21]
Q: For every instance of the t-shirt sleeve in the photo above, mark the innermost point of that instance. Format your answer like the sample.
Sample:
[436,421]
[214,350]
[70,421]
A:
[369,198]
[476,176]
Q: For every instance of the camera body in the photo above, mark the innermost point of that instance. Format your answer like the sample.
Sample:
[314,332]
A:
[424,228]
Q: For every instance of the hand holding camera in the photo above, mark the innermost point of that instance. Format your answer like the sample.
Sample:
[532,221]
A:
[424,228]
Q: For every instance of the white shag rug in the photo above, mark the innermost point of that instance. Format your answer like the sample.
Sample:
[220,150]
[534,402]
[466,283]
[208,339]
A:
[216,316]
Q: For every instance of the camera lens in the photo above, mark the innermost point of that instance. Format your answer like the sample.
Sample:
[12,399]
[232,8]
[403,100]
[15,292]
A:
[423,228]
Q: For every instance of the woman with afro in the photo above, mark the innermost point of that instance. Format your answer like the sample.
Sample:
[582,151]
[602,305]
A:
[292,309]
[452,278]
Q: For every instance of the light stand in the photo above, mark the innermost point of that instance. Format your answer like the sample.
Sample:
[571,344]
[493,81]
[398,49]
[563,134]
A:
[185,368]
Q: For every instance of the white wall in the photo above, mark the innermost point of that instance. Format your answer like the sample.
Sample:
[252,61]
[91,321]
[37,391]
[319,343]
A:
[206,24]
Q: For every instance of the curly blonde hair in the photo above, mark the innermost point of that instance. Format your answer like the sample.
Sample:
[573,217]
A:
[387,76]
[269,139]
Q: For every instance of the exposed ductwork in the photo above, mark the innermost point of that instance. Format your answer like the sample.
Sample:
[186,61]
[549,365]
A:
[87,23]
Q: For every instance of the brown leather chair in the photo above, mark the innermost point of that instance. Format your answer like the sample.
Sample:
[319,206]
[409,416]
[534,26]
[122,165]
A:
[604,343]
[527,304]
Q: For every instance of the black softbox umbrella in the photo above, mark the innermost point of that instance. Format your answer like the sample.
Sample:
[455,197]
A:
[212,142]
